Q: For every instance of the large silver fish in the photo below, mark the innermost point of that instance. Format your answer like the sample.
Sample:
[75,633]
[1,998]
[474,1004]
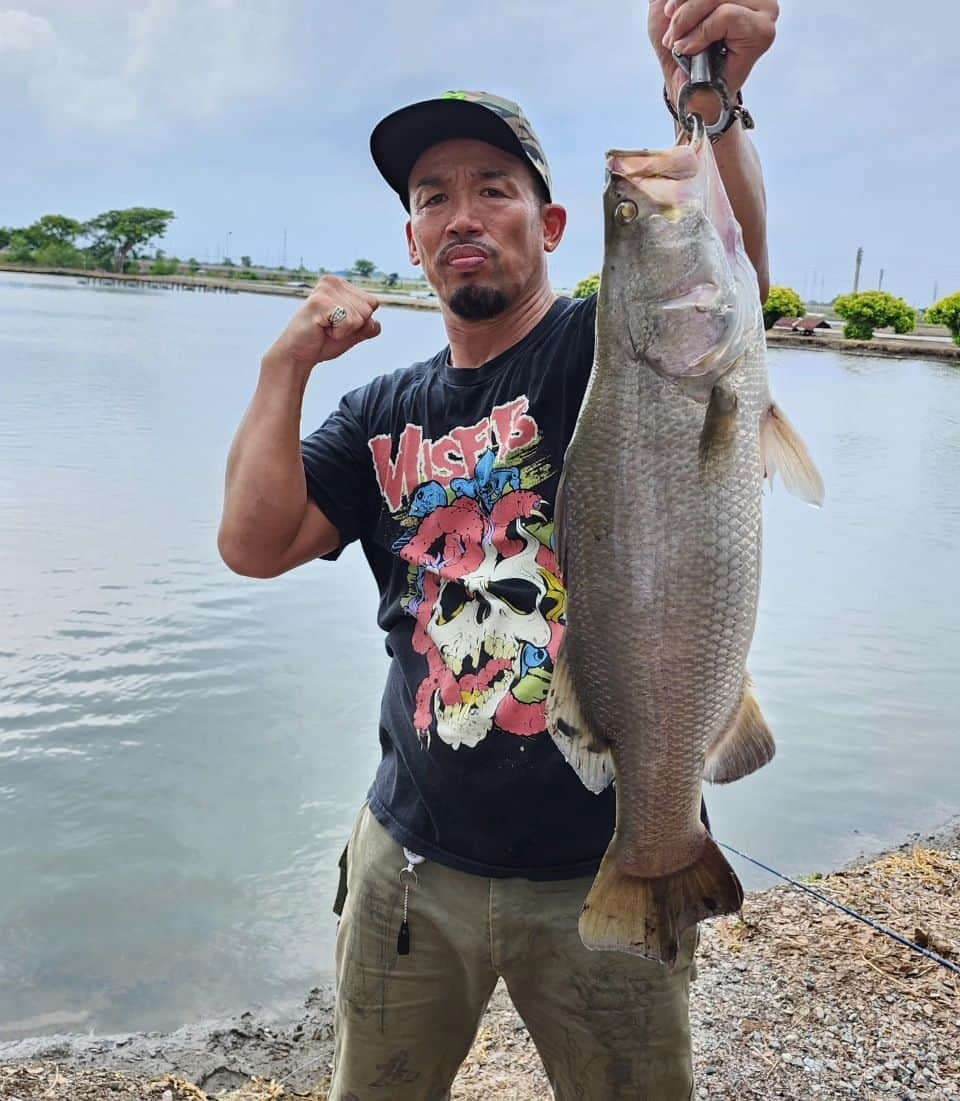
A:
[659,541]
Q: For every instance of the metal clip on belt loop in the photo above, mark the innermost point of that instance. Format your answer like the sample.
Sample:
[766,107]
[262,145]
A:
[408,878]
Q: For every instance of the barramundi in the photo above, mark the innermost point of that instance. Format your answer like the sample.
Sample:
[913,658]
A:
[658,535]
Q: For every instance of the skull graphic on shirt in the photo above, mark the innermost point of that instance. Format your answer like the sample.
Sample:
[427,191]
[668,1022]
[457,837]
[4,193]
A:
[488,604]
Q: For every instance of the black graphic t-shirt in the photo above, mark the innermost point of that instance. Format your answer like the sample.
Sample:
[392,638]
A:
[448,477]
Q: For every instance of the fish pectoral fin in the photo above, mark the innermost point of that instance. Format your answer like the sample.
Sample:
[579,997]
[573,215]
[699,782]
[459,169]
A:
[645,917]
[744,746]
[782,449]
[718,436]
[586,752]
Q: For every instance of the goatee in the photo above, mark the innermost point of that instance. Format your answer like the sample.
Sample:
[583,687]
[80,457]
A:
[474,303]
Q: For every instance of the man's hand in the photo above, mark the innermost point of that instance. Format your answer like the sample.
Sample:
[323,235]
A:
[747,26]
[310,338]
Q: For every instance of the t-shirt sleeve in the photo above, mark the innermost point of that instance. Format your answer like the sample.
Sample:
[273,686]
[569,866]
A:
[339,474]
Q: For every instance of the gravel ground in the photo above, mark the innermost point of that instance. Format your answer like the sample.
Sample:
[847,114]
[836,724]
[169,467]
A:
[793,1000]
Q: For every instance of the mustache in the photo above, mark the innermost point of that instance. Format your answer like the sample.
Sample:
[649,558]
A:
[487,250]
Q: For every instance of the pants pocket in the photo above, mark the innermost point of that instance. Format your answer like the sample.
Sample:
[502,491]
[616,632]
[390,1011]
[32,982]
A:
[341,898]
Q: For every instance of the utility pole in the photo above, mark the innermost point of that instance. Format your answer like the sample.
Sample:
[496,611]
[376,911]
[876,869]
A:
[881,280]
[856,276]
[936,291]
[283,262]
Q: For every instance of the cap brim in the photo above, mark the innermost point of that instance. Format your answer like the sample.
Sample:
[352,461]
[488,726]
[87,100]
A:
[398,141]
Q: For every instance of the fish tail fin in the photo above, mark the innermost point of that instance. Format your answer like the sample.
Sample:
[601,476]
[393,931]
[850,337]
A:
[744,746]
[782,449]
[645,917]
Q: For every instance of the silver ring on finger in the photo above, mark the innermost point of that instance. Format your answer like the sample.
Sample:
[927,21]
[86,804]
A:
[337,316]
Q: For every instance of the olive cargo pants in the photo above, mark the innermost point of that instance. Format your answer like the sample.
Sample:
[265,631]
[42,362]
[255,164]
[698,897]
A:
[607,1026]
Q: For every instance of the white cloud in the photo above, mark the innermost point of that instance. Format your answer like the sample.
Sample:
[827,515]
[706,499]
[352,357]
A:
[111,65]
[22,33]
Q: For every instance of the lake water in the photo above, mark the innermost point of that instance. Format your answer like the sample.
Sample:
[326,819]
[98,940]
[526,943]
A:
[182,751]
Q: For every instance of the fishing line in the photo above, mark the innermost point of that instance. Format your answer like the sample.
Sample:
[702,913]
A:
[846,909]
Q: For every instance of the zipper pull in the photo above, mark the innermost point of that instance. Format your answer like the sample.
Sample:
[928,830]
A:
[408,877]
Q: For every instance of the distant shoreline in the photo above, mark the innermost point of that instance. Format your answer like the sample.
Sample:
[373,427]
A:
[193,283]
[816,341]
[884,347]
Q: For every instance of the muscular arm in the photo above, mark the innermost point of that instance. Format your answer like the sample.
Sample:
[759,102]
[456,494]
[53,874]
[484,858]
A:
[269,524]
[748,27]
[742,176]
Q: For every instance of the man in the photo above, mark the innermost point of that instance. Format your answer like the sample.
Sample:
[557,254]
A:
[478,843]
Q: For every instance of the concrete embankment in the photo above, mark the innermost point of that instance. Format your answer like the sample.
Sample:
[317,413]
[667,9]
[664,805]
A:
[885,347]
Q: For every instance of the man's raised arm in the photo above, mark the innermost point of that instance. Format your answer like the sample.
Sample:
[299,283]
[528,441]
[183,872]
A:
[748,27]
[269,524]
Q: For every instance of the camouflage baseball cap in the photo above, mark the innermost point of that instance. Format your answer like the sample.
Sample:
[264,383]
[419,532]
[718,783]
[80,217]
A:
[398,140]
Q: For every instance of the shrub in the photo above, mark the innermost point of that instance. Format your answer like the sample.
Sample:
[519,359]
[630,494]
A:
[947,312]
[587,286]
[874,310]
[781,302]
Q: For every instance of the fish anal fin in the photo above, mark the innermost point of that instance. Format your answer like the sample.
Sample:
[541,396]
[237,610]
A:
[646,917]
[744,746]
[719,433]
[782,449]
[558,526]
[587,753]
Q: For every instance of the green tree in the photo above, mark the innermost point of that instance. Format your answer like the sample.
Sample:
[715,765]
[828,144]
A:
[874,310]
[246,261]
[781,302]
[947,312]
[165,266]
[5,234]
[124,231]
[364,268]
[392,279]
[22,246]
[587,286]
[58,254]
[56,227]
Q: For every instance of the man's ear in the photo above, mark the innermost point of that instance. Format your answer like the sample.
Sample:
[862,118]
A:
[412,247]
[554,223]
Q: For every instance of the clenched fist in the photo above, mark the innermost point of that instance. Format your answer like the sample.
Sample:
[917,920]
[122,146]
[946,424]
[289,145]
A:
[310,338]
[747,26]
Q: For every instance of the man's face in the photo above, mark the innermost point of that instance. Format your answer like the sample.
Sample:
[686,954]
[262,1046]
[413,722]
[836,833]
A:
[479,227]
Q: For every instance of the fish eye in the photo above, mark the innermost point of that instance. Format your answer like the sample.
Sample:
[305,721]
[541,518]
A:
[626,212]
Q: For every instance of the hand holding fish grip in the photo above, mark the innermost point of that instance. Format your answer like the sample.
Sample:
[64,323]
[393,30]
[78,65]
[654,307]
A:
[705,72]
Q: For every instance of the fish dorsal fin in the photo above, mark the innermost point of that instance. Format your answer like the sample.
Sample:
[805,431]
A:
[782,449]
[744,746]
[587,753]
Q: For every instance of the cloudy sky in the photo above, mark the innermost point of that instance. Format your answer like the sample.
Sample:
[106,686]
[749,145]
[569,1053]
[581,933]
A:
[249,119]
